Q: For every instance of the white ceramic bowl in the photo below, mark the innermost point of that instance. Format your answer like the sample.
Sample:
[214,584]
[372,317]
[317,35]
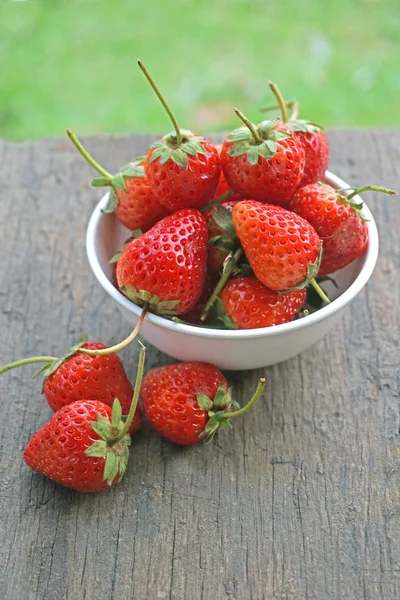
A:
[242,349]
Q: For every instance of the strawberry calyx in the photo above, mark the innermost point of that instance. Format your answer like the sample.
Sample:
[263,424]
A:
[347,198]
[52,367]
[305,126]
[178,150]
[257,141]
[153,303]
[115,440]
[229,240]
[223,402]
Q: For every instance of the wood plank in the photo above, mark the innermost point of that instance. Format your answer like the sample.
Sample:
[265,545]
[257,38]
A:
[301,501]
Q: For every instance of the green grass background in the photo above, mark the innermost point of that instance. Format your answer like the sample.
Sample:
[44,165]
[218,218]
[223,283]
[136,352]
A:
[72,63]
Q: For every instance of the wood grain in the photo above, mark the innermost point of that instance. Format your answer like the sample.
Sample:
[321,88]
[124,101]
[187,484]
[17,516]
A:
[301,501]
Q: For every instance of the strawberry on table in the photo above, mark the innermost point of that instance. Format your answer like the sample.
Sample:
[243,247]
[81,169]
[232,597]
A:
[189,401]
[311,137]
[264,162]
[338,221]
[164,270]
[183,168]
[131,197]
[250,305]
[85,445]
[283,249]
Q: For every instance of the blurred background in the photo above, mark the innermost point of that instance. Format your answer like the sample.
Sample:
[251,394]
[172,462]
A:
[72,63]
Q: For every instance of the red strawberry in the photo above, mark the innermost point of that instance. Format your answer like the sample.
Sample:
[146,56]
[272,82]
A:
[337,220]
[165,268]
[223,185]
[222,233]
[188,401]
[85,445]
[250,305]
[131,197]
[310,135]
[86,377]
[282,248]
[264,162]
[183,168]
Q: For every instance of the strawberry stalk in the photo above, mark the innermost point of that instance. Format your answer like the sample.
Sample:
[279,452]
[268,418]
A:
[27,361]
[368,188]
[230,264]
[88,157]
[163,102]
[320,291]
[250,126]
[282,105]
[216,201]
[250,404]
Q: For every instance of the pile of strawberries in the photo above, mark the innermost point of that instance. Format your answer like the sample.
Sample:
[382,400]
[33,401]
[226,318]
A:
[231,236]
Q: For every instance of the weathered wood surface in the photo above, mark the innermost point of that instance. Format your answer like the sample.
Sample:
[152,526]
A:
[300,501]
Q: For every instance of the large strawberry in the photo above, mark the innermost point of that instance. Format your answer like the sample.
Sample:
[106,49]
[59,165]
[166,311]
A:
[264,162]
[311,137]
[282,248]
[131,197]
[89,371]
[189,401]
[85,445]
[250,305]
[165,268]
[337,219]
[183,168]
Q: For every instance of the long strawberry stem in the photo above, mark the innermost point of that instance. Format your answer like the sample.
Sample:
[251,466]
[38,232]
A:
[370,188]
[135,399]
[249,126]
[163,102]
[282,105]
[270,107]
[250,404]
[216,201]
[86,155]
[124,342]
[229,265]
[27,361]
[320,291]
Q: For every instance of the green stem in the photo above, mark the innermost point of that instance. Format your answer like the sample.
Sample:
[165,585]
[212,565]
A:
[275,90]
[163,102]
[27,361]
[250,404]
[249,126]
[124,342]
[230,263]
[217,201]
[295,108]
[320,291]
[86,155]
[135,399]
[289,104]
[371,188]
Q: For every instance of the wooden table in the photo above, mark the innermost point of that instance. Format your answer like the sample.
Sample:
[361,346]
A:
[300,501]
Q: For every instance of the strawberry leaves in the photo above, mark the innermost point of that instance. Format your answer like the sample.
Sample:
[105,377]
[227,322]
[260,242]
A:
[257,141]
[168,148]
[305,126]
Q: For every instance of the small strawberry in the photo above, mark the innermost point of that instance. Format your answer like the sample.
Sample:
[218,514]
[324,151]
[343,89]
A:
[311,137]
[223,185]
[264,162]
[222,237]
[131,197]
[165,268]
[282,248]
[338,221]
[89,371]
[183,168]
[250,305]
[189,401]
[85,445]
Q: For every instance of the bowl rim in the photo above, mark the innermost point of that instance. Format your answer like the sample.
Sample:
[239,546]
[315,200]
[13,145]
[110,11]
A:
[371,255]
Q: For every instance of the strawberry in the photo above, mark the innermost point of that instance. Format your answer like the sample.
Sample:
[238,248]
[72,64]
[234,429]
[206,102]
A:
[338,221]
[189,401]
[250,305]
[165,268]
[223,185]
[310,135]
[131,197]
[222,237]
[263,162]
[183,168]
[85,445]
[282,248]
